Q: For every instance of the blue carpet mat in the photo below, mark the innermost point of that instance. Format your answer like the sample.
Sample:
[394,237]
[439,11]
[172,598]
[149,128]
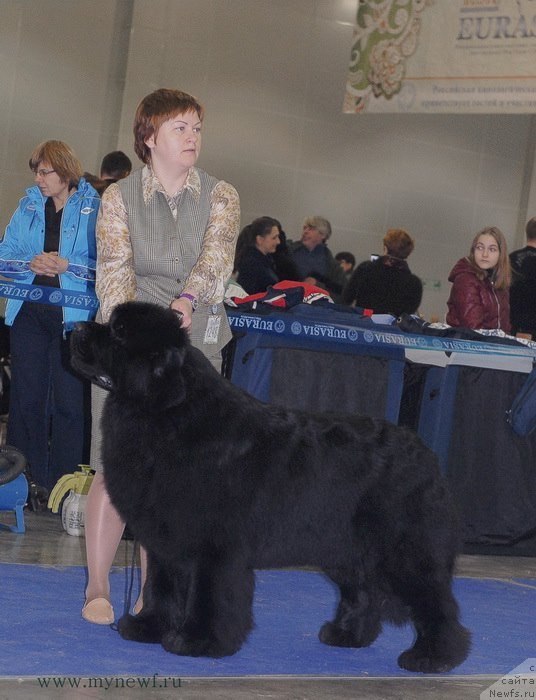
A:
[43,633]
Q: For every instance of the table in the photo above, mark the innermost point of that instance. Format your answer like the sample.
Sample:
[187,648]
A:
[320,359]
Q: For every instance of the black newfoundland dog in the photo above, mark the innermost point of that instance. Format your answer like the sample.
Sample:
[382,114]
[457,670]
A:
[214,484]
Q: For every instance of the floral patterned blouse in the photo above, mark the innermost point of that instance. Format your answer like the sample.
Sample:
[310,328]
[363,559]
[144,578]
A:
[115,278]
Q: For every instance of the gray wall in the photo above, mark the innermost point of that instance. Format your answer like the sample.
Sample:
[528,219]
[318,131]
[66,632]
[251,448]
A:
[272,76]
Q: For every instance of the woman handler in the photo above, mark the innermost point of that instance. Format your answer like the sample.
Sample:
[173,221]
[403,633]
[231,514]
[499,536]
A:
[166,234]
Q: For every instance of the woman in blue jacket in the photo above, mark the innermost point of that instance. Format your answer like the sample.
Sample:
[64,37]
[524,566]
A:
[49,242]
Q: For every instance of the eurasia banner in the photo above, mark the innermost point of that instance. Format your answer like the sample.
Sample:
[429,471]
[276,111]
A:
[442,56]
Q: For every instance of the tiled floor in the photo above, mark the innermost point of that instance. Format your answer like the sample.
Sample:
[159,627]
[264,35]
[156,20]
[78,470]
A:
[45,543]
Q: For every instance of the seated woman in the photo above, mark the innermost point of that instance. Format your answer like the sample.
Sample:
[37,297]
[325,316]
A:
[386,285]
[285,267]
[254,261]
[479,297]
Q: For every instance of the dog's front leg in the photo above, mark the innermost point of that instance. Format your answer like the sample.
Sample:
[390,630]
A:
[164,594]
[357,620]
[218,614]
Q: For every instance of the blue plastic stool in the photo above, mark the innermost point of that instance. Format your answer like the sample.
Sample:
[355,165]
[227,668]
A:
[13,485]
[13,496]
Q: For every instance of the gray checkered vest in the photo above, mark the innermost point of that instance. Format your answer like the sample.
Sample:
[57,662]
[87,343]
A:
[165,250]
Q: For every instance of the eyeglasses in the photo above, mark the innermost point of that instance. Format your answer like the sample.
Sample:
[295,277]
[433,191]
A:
[43,173]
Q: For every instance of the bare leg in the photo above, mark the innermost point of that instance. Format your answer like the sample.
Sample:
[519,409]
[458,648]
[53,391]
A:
[103,530]
[143,568]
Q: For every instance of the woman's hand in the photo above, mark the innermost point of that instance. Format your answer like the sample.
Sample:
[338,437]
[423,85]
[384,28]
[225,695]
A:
[184,307]
[48,264]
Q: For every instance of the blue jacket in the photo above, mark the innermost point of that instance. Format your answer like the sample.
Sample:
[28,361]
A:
[25,236]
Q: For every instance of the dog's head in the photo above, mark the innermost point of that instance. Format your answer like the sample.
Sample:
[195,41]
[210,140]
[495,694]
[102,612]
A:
[138,355]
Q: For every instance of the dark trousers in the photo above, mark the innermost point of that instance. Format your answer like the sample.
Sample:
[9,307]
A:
[49,410]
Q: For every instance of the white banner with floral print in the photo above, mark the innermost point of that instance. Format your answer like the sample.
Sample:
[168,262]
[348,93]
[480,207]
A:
[442,56]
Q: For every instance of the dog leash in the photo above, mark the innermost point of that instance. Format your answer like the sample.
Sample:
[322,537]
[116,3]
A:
[129,585]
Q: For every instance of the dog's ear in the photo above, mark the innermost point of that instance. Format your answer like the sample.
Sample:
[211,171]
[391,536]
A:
[167,386]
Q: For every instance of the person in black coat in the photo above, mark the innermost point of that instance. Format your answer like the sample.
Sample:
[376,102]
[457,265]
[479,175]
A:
[254,261]
[386,285]
[285,268]
[523,289]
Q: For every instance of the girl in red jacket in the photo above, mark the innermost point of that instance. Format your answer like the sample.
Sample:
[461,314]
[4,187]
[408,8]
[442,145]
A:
[479,297]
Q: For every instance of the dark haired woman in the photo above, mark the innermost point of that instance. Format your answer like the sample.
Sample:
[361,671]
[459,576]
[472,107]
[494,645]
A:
[254,260]
[479,297]
[50,242]
[166,234]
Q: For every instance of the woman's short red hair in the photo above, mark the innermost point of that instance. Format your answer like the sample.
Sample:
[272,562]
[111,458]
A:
[398,243]
[154,110]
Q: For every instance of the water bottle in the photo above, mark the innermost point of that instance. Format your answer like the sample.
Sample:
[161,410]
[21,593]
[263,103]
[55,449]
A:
[73,513]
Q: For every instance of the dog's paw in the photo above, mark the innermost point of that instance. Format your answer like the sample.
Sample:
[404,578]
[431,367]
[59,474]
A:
[419,661]
[440,652]
[184,645]
[139,629]
[413,660]
[336,636]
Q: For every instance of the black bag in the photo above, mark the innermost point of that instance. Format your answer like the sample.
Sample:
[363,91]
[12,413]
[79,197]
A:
[522,414]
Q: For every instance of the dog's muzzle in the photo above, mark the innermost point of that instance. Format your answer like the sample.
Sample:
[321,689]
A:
[82,358]
[103,381]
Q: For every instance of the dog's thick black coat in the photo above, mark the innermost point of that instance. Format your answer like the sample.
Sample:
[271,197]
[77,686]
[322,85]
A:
[214,484]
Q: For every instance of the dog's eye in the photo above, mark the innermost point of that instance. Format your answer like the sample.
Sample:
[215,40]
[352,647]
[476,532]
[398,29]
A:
[156,359]
[118,331]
